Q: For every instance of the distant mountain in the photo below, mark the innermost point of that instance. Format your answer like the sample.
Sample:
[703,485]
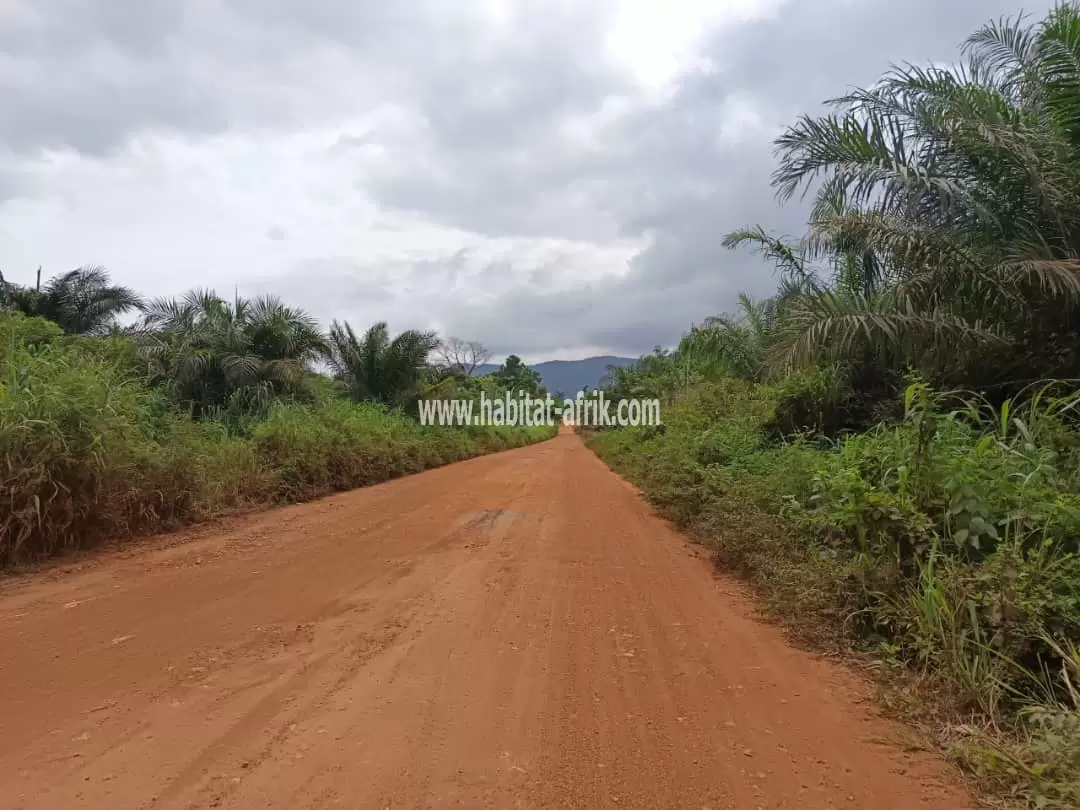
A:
[570,376]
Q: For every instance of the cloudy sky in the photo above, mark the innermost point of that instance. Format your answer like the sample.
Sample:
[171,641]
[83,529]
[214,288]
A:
[551,177]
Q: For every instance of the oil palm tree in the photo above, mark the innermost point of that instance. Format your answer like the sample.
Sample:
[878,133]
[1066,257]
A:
[212,354]
[733,346]
[380,369]
[958,189]
[80,301]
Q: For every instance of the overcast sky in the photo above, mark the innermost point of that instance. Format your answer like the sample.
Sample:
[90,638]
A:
[551,177]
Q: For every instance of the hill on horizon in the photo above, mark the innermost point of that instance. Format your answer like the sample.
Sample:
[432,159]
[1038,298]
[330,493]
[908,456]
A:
[569,376]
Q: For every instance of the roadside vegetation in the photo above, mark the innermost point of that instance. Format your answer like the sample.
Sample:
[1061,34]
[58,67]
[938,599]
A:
[201,407]
[889,447]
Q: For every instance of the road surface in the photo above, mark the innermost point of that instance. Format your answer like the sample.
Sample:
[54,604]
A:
[515,631]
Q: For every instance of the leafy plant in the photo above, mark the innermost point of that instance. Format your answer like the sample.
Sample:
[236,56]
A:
[81,301]
[212,356]
[376,368]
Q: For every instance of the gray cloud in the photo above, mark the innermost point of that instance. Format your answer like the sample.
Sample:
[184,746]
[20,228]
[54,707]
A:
[666,172]
[85,74]
[513,131]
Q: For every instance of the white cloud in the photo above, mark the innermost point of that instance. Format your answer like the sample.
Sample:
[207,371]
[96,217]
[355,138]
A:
[657,41]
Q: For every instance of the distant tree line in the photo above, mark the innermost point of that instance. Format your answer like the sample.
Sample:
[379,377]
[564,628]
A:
[215,356]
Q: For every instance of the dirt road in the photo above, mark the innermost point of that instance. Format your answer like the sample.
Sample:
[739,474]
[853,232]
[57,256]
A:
[516,631]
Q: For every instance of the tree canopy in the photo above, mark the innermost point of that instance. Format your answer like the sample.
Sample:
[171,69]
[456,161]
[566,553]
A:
[209,353]
[80,301]
[376,367]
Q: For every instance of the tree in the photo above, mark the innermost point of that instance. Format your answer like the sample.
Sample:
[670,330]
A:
[515,376]
[210,354]
[376,368]
[80,301]
[462,357]
[733,346]
[652,376]
[947,215]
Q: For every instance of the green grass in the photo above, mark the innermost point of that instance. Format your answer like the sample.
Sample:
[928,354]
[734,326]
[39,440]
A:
[943,543]
[89,453]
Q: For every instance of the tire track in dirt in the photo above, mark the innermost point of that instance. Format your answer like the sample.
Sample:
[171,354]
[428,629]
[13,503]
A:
[515,631]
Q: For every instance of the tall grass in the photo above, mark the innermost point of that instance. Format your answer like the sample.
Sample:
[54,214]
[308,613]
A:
[88,452]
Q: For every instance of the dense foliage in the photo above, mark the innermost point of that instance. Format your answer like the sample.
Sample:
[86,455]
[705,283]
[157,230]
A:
[201,406]
[518,378]
[888,447]
[210,356]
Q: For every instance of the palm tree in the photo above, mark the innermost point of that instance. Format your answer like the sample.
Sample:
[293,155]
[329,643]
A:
[948,212]
[650,377]
[733,346]
[376,368]
[211,354]
[81,301]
